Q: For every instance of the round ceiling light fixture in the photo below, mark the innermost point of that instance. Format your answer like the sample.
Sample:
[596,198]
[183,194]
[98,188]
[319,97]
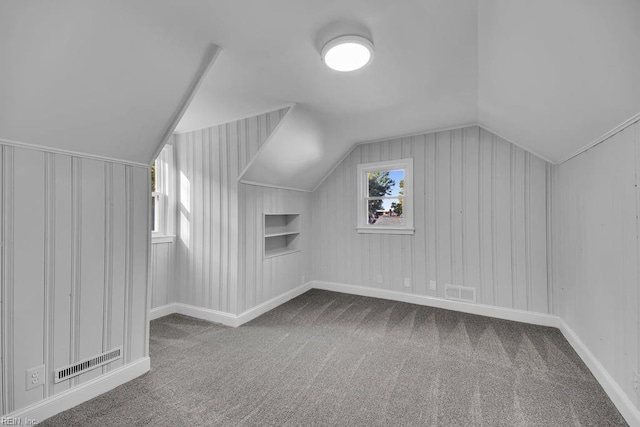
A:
[347,53]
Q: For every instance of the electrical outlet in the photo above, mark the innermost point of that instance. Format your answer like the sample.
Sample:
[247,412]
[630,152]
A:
[303,280]
[379,278]
[635,380]
[407,282]
[433,285]
[35,377]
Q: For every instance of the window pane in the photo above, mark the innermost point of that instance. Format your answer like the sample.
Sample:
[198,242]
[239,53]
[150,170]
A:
[153,214]
[153,177]
[386,183]
[387,212]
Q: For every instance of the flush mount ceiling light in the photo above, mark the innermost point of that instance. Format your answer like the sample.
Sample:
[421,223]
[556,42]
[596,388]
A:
[347,53]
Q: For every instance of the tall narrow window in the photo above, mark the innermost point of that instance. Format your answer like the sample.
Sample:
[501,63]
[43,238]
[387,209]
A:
[156,227]
[385,197]
[160,188]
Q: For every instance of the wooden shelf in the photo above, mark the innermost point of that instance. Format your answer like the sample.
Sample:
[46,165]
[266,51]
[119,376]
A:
[281,252]
[281,234]
[284,233]
[281,223]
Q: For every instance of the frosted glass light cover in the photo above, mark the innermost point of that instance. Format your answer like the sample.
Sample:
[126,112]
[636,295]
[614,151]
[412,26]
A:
[347,53]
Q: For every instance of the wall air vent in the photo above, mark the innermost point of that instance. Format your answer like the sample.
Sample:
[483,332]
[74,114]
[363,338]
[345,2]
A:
[460,293]
[86,365]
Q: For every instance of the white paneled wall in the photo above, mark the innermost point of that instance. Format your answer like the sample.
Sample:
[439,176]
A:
[215,218]
[166,185]
[595,276]
[163,249]
[162,273]
[74,266]
[480,219]
[261,280]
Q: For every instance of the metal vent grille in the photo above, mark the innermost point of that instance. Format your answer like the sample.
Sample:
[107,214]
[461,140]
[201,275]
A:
[460,293]
[86,365]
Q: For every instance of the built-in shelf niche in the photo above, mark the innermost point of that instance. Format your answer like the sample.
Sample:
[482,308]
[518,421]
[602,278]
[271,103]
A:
[281,234]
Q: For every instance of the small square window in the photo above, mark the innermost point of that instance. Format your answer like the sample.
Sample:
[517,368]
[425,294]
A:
[385,197]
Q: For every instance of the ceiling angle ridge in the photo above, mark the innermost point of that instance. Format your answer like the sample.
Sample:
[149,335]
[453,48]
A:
[279,187]
[510,141]
[266,143]
[622,126]
[71,153]
[240,118]
[210,56]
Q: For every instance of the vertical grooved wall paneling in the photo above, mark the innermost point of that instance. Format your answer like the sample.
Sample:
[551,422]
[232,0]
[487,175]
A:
[480,219]
[261,279]
[162,265]
[7,279]
[63,262]
[595,278]
[163,253]
[141,203]
[119,259]
[108,260]
[28,270]
[219,261]
[91,283]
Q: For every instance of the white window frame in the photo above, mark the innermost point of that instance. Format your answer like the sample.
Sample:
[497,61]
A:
[159,215]
[363,225]
[158,223]
[161,205]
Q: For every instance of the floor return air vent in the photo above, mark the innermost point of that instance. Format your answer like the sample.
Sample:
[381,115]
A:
[86,365]
[460,293]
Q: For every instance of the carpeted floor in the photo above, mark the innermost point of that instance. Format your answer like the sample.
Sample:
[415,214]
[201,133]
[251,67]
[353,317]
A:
[340,360]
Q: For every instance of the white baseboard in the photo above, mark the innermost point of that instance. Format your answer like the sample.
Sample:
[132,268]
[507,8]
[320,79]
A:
[76,395]
[259,310]
[619,398]
[163,310]
[542,319]
[208,314]
[225,318]
[195,312]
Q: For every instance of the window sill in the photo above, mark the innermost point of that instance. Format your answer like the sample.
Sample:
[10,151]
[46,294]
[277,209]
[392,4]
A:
[385,230]
[162,238]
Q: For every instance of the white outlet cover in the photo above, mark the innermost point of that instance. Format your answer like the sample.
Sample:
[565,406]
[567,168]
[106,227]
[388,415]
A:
[35,377]
[433,285]
[407,282]
[379,278]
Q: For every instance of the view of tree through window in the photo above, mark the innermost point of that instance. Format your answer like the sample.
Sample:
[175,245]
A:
[385,197]
[153,177]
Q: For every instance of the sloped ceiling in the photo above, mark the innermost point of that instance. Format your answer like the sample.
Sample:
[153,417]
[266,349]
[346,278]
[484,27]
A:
[554,75]
[551,76]
[106,77]
[95,77]
[294,156]
[424,74]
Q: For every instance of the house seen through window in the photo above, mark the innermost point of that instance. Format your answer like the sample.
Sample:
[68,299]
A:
[385,197]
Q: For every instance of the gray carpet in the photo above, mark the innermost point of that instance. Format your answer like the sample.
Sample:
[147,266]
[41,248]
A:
[339,360]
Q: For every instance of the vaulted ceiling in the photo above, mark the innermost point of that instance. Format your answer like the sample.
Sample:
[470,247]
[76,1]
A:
[107,77]
[555,75]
